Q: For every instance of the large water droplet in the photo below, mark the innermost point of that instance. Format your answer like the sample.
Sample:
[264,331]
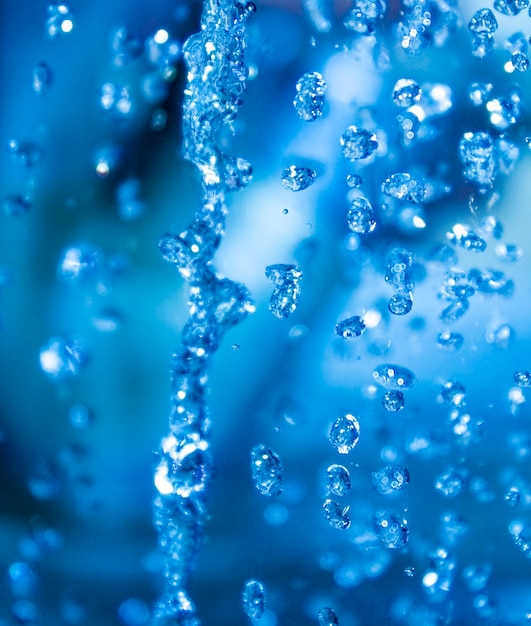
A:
[297,178]
[338,480]
[336,514]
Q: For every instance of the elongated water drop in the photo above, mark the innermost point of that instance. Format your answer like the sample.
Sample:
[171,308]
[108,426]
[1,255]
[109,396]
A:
[338,480]
[309,100]
[336,514]
[360,216]
[253,599]
[285,296]
[266,470]
[345,433]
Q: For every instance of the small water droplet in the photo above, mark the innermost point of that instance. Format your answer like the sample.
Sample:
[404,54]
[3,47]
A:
[390,479]
[338,480]
[345,433]
[351,327]
[266,470]
[450,341]
[360,216]
[406,92]
[391,529]
[297,178]
[522,378]
[393,401]
[309,100]
[253,599]
[453,393]
[451,482]
[403,186]
[358,143]
[327,617]
[336,514]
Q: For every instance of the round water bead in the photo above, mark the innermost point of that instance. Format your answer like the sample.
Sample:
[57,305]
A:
[297,178]
[393,401]
[266,470]
[400,303]
[360,216]
[358,143]
[338,480]
[390,479]
[354,181]
[327,617]
[406,92]
[453,393]
[391,529]
[336,514]
[351,327]
[253,599]
[394,377]
[345,433]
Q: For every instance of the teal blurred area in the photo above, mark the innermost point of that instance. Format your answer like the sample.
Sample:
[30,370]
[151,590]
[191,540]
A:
[98,171]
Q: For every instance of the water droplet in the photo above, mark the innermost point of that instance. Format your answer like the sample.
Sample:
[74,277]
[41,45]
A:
[16,205]
[451,482]
[400,303]
[327,617]
[449,341]
[504,112]
[59,20]
[42,78]
[297,178]
[394,377]
[391,529]
[453,393]
[336,514]
[409,572]
[266,470]
[253,599]
[358,143]
[354,181]
[345,433]
[406,92]
[483,21]
[309,100]
[520,61]
[338,480]
[390,479]
[360,216]
[522,378]
[393,401]
[403,186]
[476,151]
[351,327]
[510,7]
[62,357]
[285,296]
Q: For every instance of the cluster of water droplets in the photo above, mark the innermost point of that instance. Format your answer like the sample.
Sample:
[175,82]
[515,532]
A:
[214,92]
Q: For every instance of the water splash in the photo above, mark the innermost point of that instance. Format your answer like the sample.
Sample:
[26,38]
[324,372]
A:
[214,92]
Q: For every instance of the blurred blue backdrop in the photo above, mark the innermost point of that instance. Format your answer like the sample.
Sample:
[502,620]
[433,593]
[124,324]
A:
[93,176]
